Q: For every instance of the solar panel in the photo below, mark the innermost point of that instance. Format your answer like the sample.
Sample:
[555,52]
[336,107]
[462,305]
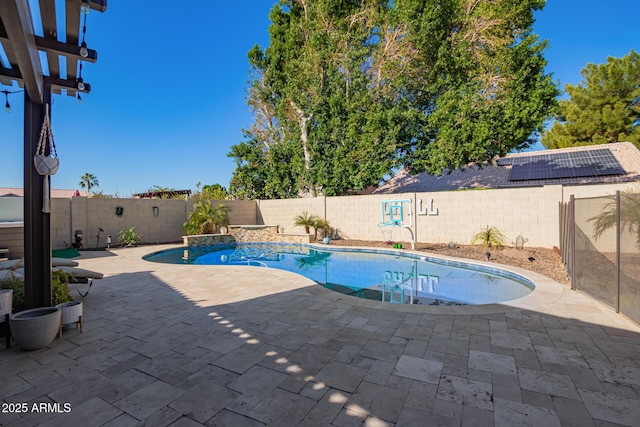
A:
[599,162]
[505,161]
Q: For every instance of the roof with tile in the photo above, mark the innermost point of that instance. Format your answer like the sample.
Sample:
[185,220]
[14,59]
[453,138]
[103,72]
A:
[494,176]
[55,193]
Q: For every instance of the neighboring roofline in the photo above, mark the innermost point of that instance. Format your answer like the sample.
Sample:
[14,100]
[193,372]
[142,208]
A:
[491,176]
[56,193]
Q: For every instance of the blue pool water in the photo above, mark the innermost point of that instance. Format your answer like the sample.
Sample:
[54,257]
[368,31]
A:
[380,275]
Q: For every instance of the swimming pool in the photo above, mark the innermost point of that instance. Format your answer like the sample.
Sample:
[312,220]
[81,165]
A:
[405,278]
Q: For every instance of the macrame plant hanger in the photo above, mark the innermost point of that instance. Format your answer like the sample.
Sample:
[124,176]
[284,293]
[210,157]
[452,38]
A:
[46,159]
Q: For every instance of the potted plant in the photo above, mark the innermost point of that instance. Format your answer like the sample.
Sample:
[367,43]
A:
[37,328]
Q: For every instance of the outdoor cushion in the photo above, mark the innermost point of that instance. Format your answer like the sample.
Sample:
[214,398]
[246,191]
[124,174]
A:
[10,264]
[80,273]
[10,274]
[19,263]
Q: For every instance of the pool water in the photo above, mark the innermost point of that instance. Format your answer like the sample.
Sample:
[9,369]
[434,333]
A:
[404,278]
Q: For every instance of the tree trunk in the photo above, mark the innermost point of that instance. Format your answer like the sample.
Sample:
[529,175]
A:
[304,133]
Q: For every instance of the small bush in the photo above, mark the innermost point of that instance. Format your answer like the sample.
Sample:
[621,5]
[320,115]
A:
[59,289]
[128,237]
[18,292]
[327,229]
[489,237]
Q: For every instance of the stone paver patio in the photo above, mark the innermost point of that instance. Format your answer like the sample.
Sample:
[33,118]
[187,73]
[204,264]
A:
[246,346]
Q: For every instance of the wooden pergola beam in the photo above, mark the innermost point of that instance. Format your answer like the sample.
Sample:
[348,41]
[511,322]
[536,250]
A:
[17,23]
[50,31]
[58,83]
[64,49]
[58,48]
[99,5]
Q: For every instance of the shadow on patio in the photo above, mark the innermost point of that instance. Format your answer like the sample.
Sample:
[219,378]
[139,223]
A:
[162,351]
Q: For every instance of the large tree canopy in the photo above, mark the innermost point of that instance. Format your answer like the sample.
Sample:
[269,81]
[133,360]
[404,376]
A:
[347,91]
[603,108]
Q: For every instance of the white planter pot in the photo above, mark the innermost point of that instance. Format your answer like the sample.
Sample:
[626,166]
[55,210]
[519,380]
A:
[71,312]
[35,328]
[6,302]
[6,306]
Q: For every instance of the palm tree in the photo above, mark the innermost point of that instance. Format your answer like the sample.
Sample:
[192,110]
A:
[205,219]
[305,220]
[88,181]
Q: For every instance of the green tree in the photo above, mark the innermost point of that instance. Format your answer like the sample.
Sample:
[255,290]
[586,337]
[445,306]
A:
[603,108]
[213,192]
[348,91]
[88,181]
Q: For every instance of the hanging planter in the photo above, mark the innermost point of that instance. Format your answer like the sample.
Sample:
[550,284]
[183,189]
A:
[46,159]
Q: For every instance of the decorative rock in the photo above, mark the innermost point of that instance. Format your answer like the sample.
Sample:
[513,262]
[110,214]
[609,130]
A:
[246,233]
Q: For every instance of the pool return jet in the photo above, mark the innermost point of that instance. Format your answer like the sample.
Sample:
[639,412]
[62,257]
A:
[393,215]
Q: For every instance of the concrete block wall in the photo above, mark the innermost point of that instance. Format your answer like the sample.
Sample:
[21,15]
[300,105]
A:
[12,239]
[137,213]
[61,222]
[582,191]
[283,212]
[90,214]
[357,217]
[241,212]
[461,214]
[532,212]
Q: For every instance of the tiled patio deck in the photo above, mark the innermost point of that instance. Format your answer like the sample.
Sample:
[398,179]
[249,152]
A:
[238,346]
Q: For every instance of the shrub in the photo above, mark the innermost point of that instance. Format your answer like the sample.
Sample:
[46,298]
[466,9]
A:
[59,289]
[18,292]
[323,224]
[128,237]
[490,237]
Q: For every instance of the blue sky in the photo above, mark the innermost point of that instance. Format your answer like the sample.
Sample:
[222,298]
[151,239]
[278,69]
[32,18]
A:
[168,90]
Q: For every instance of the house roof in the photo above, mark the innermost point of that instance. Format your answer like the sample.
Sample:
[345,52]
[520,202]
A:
[494,176]
[55,193]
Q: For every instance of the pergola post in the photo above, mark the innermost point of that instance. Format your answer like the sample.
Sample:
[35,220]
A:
[37,224]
